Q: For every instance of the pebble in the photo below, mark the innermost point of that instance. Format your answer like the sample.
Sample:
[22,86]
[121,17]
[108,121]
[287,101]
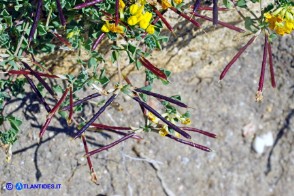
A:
[260,142]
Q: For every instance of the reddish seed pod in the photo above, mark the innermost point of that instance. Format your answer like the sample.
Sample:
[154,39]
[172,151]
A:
[110,145]
[272,73]
[98,41]
[236,57]
[212,135]
[162,19]
[39,95]
[60,13]
[215,12]
[92,171]
[87,4]
[196,6]
[102,126]
[186,17]
[171,100]
[52,112]
[48,88]
[26,72]
[224,24]
[81,101]
[152,68]
[36,20]
[204,148]
[116,12]
[101,110]
[262,71]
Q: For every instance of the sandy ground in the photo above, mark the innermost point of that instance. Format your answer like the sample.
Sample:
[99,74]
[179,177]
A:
[158,165]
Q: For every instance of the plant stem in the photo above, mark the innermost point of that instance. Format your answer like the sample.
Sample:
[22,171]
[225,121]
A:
[21,39]
[48,18]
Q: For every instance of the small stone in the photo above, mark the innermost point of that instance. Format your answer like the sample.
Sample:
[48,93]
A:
[268,139]
[265,140]
[258,145]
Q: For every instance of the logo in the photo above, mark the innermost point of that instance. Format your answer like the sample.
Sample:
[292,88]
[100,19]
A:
[9,186]
[19,186]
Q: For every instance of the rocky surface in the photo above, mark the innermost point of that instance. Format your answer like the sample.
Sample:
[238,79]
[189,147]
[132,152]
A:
[158,165]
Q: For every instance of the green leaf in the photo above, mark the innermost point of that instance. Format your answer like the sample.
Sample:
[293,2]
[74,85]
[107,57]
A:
[114,56]
[227,3]
[147,88]
[57,89]
[92,63]
[14,122]
[248,23]
[102,78]
[241,3]
[42,30]
[272,37]
[143,96]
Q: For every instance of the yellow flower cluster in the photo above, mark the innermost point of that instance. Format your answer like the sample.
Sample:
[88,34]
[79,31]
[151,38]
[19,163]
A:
[281,21]
[110,27]
[138,16]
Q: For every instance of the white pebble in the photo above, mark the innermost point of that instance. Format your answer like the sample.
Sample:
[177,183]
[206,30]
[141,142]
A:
[268,139]
[258,145]
[262,141]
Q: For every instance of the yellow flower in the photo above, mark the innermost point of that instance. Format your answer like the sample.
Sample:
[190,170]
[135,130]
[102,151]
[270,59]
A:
[163,131]
[105,28]
[111,27]
[150,29]
[132,20]
[186,121]
[145,20]
[178,1]
[133,9]
[152,118]
[122,5]
[165,4]
[281,21]
[117,29]
[144,24]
